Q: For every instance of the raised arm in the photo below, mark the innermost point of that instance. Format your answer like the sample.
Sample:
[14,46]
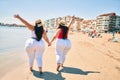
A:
[73,17]
[31,27]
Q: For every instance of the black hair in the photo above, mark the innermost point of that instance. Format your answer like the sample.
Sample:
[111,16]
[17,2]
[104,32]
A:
[38,31]
[65,29]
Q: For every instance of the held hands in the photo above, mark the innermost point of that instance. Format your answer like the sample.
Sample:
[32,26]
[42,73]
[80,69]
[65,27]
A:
[49,44]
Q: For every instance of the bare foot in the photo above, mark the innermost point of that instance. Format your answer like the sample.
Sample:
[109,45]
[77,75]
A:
[58,67]
[41,72]
[40,69]
[31,69]
[62,65]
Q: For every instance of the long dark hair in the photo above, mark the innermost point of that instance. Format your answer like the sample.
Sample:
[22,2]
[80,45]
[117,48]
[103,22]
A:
[65,30]
[38,31]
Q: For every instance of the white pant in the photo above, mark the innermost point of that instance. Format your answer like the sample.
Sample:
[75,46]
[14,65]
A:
[62,47]
[35,49]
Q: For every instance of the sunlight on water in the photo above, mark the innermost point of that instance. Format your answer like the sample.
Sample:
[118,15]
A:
[15,37]
[12,37]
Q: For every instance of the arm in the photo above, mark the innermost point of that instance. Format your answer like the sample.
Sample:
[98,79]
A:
[31,27]
[71,21]
[55,35]
[46,38]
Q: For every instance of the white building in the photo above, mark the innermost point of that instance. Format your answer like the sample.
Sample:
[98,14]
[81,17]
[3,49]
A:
[108,22]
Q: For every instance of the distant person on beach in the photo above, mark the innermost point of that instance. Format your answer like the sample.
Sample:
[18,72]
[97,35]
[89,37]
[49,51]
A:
[35,46]
[113,39]
[63,44]
[113,34]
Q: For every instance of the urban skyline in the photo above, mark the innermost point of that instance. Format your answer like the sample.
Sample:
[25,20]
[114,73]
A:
[102,23]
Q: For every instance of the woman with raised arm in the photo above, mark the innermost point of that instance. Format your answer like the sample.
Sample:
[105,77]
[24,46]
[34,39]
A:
[62,44]
[35,46]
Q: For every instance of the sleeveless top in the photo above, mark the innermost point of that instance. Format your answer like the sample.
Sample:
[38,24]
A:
[60,35]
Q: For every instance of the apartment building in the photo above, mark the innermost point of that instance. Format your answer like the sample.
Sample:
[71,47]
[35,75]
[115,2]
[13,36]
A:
[53,23]
[118,22]
[103,22]
[50,23]
[88,24]
[107,22]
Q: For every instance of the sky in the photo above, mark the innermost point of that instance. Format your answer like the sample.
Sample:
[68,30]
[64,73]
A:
[31,10]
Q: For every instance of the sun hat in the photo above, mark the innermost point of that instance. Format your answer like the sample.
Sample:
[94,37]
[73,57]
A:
[63,22]
[38,22]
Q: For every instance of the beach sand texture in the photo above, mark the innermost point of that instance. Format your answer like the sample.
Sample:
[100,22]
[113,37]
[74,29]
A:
[88,59]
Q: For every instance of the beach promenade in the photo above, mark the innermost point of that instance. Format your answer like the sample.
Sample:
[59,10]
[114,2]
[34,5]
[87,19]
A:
[88,59]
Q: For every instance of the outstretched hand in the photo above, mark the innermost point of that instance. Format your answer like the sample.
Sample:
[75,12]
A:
[16,16]
[73,17]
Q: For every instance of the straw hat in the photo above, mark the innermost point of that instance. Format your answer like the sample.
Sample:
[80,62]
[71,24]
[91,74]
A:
[38,22]
[63,22]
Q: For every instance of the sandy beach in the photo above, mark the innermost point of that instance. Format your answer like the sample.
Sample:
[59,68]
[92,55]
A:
[88,59]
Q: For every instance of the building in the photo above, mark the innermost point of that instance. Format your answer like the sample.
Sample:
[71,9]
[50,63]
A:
[103,22]
[118,22]
[50,23]
[107,22]
[53,23]
[88,24]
